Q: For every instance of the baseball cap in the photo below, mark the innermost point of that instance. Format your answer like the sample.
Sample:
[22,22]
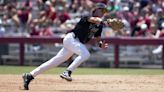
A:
[102,6]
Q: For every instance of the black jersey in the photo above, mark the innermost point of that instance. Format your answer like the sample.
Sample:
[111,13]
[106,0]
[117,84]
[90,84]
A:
[85,30]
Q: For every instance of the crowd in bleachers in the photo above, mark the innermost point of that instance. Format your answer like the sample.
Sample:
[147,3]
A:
[56,17]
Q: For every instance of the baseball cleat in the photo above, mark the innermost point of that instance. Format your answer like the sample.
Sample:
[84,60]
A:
[66,75]
[27,77]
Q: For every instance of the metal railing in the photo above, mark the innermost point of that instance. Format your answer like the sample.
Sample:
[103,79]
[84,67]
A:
[115,41]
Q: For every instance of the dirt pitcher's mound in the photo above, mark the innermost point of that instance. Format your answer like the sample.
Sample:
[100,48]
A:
[85,83]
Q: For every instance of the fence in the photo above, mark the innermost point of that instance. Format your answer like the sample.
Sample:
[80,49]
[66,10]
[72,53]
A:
[115,41]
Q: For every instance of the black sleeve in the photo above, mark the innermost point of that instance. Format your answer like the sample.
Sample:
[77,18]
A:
[98,33]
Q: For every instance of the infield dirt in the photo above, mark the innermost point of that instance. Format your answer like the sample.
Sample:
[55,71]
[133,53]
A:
[85,83]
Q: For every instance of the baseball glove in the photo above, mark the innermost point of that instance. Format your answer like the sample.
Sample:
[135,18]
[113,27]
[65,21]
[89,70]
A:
[115,24]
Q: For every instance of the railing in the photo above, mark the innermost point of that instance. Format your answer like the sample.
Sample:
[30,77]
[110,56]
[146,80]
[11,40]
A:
[115,41]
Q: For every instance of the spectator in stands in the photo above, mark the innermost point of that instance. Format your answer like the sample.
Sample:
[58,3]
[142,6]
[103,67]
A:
[86,6]
[142,25]
[28,5]
[74,5]
[159,33]
[40,4]
[50,12]
[61,15]
[11,13]
[47,13]
[10,20]
[34,30]
[44,13]
[80,6]
[45,31]
[25,18]
[113,6]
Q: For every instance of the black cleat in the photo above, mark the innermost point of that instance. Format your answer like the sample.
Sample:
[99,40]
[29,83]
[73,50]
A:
[27,77]
[66,75]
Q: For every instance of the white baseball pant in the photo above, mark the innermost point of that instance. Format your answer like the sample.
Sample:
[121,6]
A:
[71,45]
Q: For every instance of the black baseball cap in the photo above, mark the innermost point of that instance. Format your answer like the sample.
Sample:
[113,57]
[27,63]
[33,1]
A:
[101,6]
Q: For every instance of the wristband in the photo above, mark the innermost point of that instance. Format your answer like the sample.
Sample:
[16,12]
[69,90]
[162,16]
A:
[100,43]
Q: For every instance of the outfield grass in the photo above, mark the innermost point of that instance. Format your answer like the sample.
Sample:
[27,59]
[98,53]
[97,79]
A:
[83,71]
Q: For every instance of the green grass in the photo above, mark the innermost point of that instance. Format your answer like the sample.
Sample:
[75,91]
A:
[83,71]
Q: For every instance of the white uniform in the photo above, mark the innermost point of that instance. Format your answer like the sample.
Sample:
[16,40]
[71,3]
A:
[71,45]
